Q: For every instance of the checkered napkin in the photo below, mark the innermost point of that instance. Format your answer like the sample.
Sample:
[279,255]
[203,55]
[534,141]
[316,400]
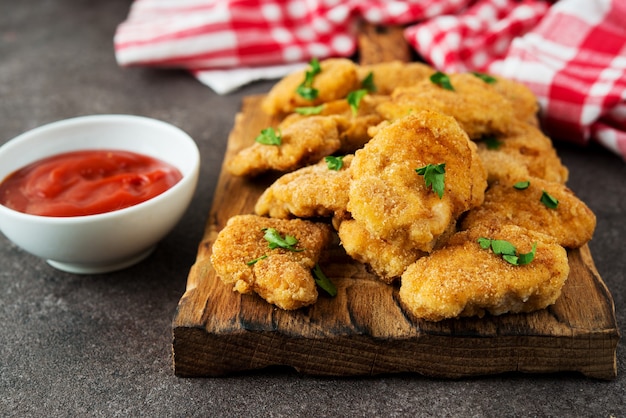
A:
[572,53]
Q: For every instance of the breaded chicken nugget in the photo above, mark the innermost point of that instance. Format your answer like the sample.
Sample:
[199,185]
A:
[243,258]
[475,104]
[572,223]
[387,260]
[337,77]
[463,279]
[392,201]
[309,192]
[524,101]
[389,75]
[523,152]
[352,126]
[302,143]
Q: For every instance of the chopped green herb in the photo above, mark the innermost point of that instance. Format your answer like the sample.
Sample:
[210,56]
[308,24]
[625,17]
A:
[548,200]
[269,136]
[254,261]
[434,176]
[305,89]
[502,247]
[528,257]
[442,80]
[522,185]
[492,142]
[507,251]
[324,282]
[334,163]
[368,82]
[485,77]
[309,110]
[354,99]
[306,92]
[272,236]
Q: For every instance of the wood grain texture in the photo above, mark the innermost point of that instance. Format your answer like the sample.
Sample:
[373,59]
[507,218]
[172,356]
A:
[382,44]
[363,330]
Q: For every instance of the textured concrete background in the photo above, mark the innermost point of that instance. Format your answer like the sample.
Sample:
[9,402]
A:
[101,345]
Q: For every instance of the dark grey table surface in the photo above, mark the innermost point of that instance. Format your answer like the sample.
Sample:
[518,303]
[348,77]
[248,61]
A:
[101,345]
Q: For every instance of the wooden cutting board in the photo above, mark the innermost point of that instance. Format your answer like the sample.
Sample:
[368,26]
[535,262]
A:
[363,330]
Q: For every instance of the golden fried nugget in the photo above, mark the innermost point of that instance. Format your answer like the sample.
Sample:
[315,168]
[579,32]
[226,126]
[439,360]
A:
[475,104]
[389,75]
[309,192]
[572,223]
[524,101]
[302,143]
[387,260]
[391,200]
[338,77]
[463,279]
[524,152]
[280,276]
[352,126]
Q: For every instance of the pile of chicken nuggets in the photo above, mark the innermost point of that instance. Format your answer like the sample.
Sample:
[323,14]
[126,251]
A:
[440,184]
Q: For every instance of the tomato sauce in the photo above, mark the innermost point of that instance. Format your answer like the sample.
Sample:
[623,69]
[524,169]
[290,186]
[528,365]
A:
[86,183]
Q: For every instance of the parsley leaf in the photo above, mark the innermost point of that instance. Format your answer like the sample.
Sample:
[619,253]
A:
[502,247]
[485,77]
[442,80]
[549,201]
[255,260]
[507,251]
[368,82]
[354,99]
[309,110]
[272,236]
[522,185]
[492,142]
[305,89]
[324,282]
[528,257]
[334,163]
[269,136]
[434,176]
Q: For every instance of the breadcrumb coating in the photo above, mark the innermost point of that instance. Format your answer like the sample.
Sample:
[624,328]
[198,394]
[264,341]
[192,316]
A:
[313,191]
[572,223]
[392,201]
[476,105]
[280,276]
[523,152]
[463,279]
[338,77]
[302,143]
[387,76]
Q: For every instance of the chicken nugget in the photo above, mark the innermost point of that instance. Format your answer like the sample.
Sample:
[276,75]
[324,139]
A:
[301,143]
[387,260]
[242,257]
[475,104]
[463,279]
[336,78]
[352,125]
[523,152]
[312,191]
[571,222]
[524,101]
[392,200]
[387,76]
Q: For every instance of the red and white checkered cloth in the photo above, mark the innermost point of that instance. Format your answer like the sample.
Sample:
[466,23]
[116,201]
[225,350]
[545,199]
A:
[571,53]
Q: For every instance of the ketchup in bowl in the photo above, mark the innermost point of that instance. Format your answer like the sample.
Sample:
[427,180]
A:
[86,182]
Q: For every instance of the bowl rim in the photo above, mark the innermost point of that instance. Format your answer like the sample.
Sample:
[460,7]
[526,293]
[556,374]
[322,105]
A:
[190,176]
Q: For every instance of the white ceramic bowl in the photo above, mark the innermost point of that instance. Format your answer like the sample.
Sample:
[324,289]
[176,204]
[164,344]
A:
[109,241]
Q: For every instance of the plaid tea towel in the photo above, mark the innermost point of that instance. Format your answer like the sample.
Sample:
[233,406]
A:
[571,53]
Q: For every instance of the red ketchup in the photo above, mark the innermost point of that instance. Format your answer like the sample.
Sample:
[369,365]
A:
[86,183]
